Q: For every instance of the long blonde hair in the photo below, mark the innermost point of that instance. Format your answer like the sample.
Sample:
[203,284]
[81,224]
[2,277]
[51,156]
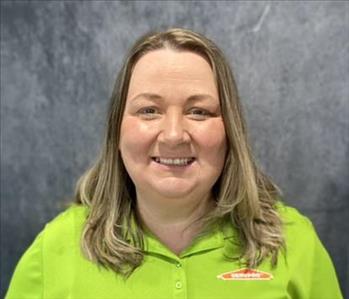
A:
[113,236]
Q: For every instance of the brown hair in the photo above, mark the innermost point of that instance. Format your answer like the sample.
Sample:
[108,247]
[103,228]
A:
[112,235]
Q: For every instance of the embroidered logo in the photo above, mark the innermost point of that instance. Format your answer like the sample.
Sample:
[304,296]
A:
[245,274]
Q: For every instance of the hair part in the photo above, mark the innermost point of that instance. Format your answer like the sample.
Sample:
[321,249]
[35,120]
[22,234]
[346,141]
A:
[113,236]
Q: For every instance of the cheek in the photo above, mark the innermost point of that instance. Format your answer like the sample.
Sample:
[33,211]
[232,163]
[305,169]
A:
[212,140]
[135,139]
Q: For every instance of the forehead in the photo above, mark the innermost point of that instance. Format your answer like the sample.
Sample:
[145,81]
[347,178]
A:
[167,68]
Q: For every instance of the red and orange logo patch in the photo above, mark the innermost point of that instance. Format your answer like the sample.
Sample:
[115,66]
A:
[245,274]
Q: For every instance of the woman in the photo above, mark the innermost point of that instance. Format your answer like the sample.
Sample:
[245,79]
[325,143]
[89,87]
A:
[175,206]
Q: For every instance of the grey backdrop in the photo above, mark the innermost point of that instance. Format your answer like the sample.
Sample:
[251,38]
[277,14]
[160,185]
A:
[58,64]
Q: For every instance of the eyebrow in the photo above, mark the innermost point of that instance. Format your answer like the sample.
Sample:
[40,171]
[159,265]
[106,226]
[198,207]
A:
[155,97]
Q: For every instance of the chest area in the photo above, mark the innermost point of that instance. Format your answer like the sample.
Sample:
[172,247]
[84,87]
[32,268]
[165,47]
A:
[208,275]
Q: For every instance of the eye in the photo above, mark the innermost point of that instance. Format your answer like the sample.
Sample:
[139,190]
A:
[199,113]
[148,112]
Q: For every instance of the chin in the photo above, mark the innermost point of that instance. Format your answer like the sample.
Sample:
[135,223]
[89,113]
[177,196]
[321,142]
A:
[180,187]
[173,194]
[174,190]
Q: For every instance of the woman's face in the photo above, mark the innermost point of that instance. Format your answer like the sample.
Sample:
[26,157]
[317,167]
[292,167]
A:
[172,140]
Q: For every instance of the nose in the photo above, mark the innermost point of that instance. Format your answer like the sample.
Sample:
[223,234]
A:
[173,130]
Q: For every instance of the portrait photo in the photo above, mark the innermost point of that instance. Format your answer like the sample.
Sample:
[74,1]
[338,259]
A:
[174,149]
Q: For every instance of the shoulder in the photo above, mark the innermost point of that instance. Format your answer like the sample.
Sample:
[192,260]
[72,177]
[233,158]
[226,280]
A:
[61,249]
[309,265]
[73,213]
[50,258]
[299,232]
[67,221]
[64,230]
[293,218]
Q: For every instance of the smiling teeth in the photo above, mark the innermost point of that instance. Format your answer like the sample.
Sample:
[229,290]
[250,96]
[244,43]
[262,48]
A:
[177,161]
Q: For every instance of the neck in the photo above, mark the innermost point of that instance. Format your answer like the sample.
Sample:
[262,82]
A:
[173,220]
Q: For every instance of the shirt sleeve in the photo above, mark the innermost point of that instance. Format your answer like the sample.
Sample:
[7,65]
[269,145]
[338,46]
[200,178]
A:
[323,283]
[312,273]
[27,280]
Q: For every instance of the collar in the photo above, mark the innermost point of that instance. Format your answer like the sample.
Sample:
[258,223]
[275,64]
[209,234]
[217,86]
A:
[215,237]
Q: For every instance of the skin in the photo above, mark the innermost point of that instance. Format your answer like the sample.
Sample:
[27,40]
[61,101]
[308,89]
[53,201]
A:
[172,121]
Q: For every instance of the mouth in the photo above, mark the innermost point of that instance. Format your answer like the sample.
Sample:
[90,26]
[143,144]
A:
[174,161]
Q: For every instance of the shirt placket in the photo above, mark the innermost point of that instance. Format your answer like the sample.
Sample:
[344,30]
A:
[179,279]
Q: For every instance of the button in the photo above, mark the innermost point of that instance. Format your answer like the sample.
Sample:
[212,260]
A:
[178,285]
[178,265]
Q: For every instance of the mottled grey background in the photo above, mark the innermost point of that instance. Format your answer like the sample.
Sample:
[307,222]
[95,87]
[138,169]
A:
[58,64]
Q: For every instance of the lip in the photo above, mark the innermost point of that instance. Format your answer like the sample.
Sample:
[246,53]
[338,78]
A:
[172,167]
[177,157]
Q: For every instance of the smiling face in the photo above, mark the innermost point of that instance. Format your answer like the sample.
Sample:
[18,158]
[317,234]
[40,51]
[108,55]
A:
[172,138]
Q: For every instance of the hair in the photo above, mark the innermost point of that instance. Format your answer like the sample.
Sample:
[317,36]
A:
[113,235]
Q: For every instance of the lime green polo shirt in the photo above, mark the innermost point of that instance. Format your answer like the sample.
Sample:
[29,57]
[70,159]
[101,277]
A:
[54,268]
